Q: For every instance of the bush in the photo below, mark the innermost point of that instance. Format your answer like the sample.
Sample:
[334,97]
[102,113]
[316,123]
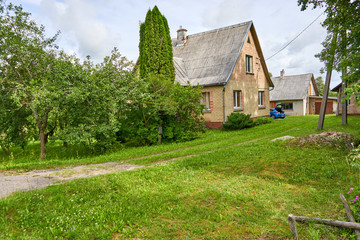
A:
[238,121]
[262,120]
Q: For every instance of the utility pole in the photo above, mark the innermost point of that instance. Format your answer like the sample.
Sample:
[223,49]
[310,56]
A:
[344,104]
[330,65]
[324,99]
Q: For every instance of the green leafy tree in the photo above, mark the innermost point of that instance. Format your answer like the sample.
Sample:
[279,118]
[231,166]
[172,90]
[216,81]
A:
[320,85]
[343,22]
[91,113]
[27,58]
[157,102]
[156,57]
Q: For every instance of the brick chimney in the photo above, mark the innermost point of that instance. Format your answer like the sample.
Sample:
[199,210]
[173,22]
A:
[181,36]
[282,74]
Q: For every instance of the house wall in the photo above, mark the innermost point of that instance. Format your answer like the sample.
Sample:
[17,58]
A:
[248,83]
[214,117]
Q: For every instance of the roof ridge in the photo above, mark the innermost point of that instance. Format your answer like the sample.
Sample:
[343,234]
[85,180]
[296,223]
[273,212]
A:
[221,29]
[293,75]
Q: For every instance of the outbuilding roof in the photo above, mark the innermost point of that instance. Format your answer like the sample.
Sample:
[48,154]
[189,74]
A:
[293,87]
[209,58]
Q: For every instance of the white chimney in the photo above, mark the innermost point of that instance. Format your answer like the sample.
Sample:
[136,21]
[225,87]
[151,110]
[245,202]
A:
[181,36]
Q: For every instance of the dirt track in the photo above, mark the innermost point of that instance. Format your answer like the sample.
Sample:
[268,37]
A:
[10,183]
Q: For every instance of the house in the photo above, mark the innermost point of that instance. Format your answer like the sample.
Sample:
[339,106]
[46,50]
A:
[229,64]
[299,95]
[352,108]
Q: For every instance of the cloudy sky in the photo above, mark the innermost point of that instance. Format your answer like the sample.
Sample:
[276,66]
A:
[95,27]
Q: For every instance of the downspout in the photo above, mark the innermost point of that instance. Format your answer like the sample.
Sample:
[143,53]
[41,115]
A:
[223,93]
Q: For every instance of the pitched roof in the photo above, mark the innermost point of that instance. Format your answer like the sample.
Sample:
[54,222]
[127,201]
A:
[293,87]
[209,58]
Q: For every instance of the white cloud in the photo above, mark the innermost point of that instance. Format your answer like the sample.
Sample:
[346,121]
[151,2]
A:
[81,26]
[227,12]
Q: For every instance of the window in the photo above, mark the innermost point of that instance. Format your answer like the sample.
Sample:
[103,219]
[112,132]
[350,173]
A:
[248,40]
[261,99]
[206,100]
[288,106]
[248,63]
[237,100]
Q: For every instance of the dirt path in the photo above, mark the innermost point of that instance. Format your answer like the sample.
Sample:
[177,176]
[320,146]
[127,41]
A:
[10,183]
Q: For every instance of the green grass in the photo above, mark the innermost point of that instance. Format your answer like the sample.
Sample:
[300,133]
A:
[238,185]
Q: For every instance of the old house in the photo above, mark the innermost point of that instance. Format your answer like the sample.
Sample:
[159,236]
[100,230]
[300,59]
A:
[352,107]
[229,64]
[299,95]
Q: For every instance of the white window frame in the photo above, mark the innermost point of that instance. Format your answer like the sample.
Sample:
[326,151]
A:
[206,100]
[237,96]
[248,64]
[261,99]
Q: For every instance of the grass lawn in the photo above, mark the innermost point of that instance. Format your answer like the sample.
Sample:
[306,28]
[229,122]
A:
[225,185]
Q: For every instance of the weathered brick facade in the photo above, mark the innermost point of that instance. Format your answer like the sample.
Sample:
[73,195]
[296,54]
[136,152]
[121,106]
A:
[248,83]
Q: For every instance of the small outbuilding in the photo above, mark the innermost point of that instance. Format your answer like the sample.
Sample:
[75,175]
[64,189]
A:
[299,95]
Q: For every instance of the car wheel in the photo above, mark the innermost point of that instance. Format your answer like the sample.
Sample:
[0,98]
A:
[273,116]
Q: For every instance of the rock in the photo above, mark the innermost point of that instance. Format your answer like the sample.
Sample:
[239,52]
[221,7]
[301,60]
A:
[283,138]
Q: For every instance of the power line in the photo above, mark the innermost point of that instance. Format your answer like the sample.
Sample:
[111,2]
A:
[295,37]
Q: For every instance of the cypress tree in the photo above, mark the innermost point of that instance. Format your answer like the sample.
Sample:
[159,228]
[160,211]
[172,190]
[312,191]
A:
[155,47]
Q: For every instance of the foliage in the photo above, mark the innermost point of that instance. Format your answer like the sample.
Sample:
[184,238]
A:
[343,25]
[320,87]
[238,121]
[262,120]
[173,108]
[155,47]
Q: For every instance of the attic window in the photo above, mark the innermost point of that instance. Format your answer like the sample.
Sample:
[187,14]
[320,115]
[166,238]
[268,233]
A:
[248,64]
[248,40]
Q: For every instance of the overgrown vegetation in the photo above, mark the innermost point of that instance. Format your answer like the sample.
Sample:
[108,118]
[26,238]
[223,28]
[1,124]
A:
[229,184]
[341,46]
[49,96]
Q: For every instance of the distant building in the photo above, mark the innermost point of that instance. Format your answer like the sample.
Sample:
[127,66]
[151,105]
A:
[352,108]
[229,64]
[299,95]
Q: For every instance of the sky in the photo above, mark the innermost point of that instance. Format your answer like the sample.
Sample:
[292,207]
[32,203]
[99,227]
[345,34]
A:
[95,27]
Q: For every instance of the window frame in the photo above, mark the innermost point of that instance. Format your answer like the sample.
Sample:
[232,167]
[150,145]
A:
[237,100]
[289,103]
[206,101]
[249,64]
[261,99]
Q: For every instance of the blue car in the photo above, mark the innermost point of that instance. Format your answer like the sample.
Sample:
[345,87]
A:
[277,112]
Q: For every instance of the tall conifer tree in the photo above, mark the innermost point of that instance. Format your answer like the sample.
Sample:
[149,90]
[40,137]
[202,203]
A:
[156,57]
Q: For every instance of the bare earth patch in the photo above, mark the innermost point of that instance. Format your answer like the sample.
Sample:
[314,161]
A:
[10,183]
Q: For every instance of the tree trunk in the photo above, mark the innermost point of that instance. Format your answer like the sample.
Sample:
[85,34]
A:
[42,145]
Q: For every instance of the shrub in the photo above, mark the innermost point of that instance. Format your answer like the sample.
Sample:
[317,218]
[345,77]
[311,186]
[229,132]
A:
[262,120]
[238,121]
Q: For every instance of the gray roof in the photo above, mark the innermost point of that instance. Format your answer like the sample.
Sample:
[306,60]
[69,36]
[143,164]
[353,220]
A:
[293,87]
[208,58]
